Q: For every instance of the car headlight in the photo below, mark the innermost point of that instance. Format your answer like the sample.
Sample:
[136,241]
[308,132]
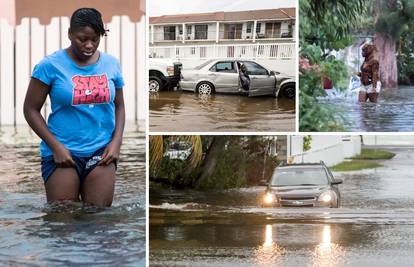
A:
[170,70]
[269,198]
[326,197]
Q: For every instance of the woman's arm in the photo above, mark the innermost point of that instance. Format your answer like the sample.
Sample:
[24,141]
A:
[113,149]
[35,98]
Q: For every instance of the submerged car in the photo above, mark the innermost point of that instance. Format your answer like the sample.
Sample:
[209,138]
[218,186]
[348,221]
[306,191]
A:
[222,76]
[302,185]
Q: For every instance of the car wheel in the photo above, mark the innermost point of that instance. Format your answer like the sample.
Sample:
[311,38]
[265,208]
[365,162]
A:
[154,84]
[205,88]
[289,91]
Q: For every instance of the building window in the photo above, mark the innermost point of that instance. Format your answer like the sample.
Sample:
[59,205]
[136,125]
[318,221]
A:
[273,30]
[193,50]
[201,32]
[169,32]
[258,27]
[249,27]
[189,29]
[180,29]
[233,31]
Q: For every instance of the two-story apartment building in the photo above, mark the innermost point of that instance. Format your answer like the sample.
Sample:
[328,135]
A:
[264,26]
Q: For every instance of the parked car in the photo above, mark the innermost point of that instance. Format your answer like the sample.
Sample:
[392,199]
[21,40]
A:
[164,74]
[222,76]
[179,150]
[302,185]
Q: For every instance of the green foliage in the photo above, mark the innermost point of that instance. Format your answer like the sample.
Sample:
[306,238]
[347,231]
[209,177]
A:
[244,160]
[171,169]
[314,116]
[307,140]
[405,58]
[395,16]
[229,172]
[327,23]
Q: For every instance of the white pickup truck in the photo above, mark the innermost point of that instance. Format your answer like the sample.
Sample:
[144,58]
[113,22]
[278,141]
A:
[164,74]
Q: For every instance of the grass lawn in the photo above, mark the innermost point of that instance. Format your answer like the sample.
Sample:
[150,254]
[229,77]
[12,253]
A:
[366,160]
[355,165]
[371,154]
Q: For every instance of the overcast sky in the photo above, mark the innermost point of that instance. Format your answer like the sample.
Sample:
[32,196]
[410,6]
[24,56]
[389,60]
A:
[170,7]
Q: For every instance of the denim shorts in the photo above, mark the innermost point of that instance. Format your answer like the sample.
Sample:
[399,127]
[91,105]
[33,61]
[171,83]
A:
[84,165]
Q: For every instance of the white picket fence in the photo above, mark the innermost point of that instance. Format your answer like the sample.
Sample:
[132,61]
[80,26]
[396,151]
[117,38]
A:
[250,51]
[23,46]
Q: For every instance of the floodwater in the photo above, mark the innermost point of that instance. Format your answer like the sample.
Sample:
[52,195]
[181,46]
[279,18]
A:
[374,226]
[178,111]
[392,113]
[33,233]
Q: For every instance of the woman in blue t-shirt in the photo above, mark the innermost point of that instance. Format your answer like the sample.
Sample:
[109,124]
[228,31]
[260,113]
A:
[82,139]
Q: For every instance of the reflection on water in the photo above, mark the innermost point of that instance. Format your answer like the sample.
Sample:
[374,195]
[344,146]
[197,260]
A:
[69,234]
[392,113]
[269,252]
[327,253]
[189,112]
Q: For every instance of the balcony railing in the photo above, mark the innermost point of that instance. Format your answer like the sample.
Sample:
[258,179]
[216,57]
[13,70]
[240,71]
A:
[251,51]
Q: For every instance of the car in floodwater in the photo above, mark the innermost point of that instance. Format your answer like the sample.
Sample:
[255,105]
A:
[302,185]
[222,76]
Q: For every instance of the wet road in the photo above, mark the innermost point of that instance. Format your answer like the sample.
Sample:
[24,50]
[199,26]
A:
[393,112]
[179,111]
[374,226]
[33,233]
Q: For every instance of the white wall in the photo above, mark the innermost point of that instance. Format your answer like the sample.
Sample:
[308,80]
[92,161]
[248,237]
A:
[329,148]
[391,140]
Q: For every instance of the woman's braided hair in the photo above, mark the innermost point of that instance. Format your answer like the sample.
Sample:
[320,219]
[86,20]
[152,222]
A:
[88,17]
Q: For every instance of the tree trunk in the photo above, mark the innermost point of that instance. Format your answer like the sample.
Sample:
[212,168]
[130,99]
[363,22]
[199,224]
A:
[210,161]
[387,60]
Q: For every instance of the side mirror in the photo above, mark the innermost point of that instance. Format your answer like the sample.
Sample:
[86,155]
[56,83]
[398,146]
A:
[272,73]
[263,183]
[337,181]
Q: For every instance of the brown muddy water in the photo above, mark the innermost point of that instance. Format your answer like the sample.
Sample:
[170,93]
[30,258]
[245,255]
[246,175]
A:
[374,226]
[33,233]
[177,111]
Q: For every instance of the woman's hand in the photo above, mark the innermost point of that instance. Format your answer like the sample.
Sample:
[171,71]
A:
[62,157]
[111,153]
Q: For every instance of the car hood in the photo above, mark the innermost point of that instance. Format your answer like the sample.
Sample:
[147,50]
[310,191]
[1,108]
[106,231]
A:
[299,190]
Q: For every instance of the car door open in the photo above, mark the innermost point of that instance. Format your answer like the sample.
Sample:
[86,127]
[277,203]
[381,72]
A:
[261,82]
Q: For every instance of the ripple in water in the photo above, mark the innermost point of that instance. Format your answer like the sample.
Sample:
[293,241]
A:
[69,233]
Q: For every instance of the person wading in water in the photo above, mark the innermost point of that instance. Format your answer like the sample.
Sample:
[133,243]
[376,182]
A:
[369,75]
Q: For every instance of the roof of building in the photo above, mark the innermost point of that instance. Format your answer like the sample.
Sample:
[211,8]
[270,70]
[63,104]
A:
[281,13]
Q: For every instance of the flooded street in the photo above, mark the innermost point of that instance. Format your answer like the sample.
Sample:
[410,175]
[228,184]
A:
[393,112]
[179,111]
[33,233]
[374,226]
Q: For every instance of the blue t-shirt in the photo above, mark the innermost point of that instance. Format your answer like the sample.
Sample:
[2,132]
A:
[82,101]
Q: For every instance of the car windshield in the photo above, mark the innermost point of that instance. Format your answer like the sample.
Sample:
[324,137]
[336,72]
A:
[299,176]
[199,67]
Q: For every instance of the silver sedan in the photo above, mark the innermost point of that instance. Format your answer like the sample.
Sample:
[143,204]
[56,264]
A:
[222,76]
